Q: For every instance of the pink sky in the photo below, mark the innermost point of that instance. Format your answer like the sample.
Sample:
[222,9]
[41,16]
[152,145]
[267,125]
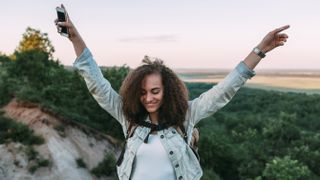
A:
[184,33]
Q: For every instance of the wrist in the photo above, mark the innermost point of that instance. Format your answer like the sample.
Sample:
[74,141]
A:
[76,39]
[262,48]
[259,52]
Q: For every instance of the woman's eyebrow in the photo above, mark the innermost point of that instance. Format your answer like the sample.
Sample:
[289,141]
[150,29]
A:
[156,88]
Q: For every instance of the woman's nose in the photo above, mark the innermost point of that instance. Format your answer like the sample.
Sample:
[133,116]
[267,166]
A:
[149,97]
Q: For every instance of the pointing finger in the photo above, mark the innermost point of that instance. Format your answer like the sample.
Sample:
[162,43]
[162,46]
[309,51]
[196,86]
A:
[280,29]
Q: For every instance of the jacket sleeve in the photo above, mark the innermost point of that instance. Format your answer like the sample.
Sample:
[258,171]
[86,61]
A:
[219,95]
[99,87]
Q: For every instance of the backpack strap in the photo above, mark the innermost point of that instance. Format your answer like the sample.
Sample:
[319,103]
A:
[130,131]
[194,139]
[182,131]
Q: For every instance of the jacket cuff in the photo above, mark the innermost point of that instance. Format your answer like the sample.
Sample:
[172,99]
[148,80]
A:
[86,54]
[243,69]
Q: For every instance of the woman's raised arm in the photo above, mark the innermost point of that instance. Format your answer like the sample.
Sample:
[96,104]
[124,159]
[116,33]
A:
[74,36]
[99,87]
[219,95]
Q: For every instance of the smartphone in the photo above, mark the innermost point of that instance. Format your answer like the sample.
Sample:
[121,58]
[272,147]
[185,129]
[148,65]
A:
[62,18]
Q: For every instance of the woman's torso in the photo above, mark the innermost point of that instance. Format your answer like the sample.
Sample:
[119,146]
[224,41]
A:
[152,162]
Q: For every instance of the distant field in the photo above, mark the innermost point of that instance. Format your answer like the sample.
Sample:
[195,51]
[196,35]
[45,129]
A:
[288,81]
[299,80]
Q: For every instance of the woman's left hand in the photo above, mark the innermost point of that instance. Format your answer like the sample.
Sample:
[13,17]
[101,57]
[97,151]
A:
[273,39]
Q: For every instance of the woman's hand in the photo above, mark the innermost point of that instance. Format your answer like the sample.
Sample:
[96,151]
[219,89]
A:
[74,36]
[273,39]
[72,31]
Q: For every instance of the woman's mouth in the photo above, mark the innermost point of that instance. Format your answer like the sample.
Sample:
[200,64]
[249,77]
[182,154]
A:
[150,105]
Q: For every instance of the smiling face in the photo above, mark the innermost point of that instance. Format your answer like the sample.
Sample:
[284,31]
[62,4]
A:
[152,92]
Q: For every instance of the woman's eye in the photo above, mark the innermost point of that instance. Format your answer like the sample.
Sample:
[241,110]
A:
[155,92]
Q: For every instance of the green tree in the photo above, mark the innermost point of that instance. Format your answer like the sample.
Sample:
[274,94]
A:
[286,169]
[4,89]
[33,39]
[33,68]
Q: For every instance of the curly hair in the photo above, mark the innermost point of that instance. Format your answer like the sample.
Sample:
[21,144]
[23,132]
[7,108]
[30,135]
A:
[175,99]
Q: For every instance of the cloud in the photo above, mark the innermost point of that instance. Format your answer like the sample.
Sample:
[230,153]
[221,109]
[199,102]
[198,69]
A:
[151,39]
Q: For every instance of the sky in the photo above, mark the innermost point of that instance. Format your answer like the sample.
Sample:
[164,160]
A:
[183,33]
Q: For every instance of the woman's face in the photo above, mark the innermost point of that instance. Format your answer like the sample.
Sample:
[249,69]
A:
[152,92]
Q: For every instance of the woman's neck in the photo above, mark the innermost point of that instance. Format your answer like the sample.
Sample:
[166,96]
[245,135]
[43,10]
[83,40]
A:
[154,117]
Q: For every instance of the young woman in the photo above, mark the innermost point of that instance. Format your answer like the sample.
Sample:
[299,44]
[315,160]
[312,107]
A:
[155,101]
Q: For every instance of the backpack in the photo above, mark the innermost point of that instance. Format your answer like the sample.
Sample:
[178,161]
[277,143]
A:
[194,139]
[181,130]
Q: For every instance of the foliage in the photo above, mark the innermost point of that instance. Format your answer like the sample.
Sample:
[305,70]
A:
[38,164]
[33,68]
[81,163]
[33,77]
[17,132]
[60,129]
[43,163]
[33,39]
[286,169]
[240,140]
[35,160]
[106,167]
[4,90]
[31,153]
[209,174]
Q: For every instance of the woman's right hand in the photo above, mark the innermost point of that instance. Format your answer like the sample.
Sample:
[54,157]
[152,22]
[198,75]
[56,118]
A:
[74,36]
[72,31]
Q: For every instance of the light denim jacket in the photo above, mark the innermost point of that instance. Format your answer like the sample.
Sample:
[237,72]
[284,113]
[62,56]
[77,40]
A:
[183,160]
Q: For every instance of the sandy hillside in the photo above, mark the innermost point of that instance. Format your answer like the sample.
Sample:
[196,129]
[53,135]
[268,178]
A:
[62,148]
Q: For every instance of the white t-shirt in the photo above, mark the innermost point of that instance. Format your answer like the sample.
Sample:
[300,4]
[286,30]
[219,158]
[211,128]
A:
[152,161]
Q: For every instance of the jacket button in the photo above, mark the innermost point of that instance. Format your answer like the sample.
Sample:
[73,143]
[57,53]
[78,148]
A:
[180,177]
[162,136]
[171,152]
[176,166]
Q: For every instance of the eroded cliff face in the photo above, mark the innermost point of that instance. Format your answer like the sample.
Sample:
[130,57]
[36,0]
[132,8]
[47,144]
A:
[61,147]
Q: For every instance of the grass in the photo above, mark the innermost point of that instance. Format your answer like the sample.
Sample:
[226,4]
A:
[106,167]
[31,153]
[12,131]
[35,161]
[299,84]
[60,129]
[17,132]
[81,163]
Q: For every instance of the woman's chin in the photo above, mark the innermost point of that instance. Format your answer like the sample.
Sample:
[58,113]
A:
[152,110]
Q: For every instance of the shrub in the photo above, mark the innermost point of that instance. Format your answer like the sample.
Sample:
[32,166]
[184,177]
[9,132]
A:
[286,169]
[17,132]
[32,169]
[31,153]
[60,128]
[43,163]
[106,167]
[81,163]
[35,161]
